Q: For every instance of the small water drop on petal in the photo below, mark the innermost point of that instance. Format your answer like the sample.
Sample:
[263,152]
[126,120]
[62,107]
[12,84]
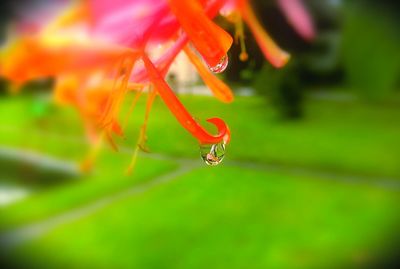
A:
[221,65]
[213,154]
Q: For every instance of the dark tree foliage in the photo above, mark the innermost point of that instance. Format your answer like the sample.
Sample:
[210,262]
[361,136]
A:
[285,86]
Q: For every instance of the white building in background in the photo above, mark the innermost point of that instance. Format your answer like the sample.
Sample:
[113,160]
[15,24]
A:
[183,75]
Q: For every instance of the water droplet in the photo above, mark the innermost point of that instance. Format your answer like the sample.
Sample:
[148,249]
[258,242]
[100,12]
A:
[213,154]
[221,65]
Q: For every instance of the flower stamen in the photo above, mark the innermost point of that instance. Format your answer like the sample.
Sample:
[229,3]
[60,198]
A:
[270,49]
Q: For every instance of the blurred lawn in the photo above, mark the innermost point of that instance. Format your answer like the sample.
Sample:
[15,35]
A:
[218,220]
[107,179]
[232,216]
[342,136]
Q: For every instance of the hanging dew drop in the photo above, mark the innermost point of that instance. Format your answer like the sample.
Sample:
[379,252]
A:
[221,65]
[213,154]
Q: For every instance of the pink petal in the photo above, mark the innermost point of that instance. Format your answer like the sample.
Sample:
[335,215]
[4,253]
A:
[299,17]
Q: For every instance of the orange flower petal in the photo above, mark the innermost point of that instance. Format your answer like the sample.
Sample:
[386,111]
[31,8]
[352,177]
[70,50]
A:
[210,40]
[180,112]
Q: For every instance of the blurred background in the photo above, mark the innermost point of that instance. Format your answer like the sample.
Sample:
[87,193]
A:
[311,178]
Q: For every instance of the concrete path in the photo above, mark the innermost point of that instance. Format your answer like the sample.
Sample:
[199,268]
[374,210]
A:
[14,238]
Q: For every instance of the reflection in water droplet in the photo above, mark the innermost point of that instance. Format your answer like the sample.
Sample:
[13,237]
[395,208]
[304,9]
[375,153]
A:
[213,154]
[221,66]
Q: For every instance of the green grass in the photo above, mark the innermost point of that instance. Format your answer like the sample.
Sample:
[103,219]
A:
[351,137]
[224,217]
[107,179]
[214,219]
